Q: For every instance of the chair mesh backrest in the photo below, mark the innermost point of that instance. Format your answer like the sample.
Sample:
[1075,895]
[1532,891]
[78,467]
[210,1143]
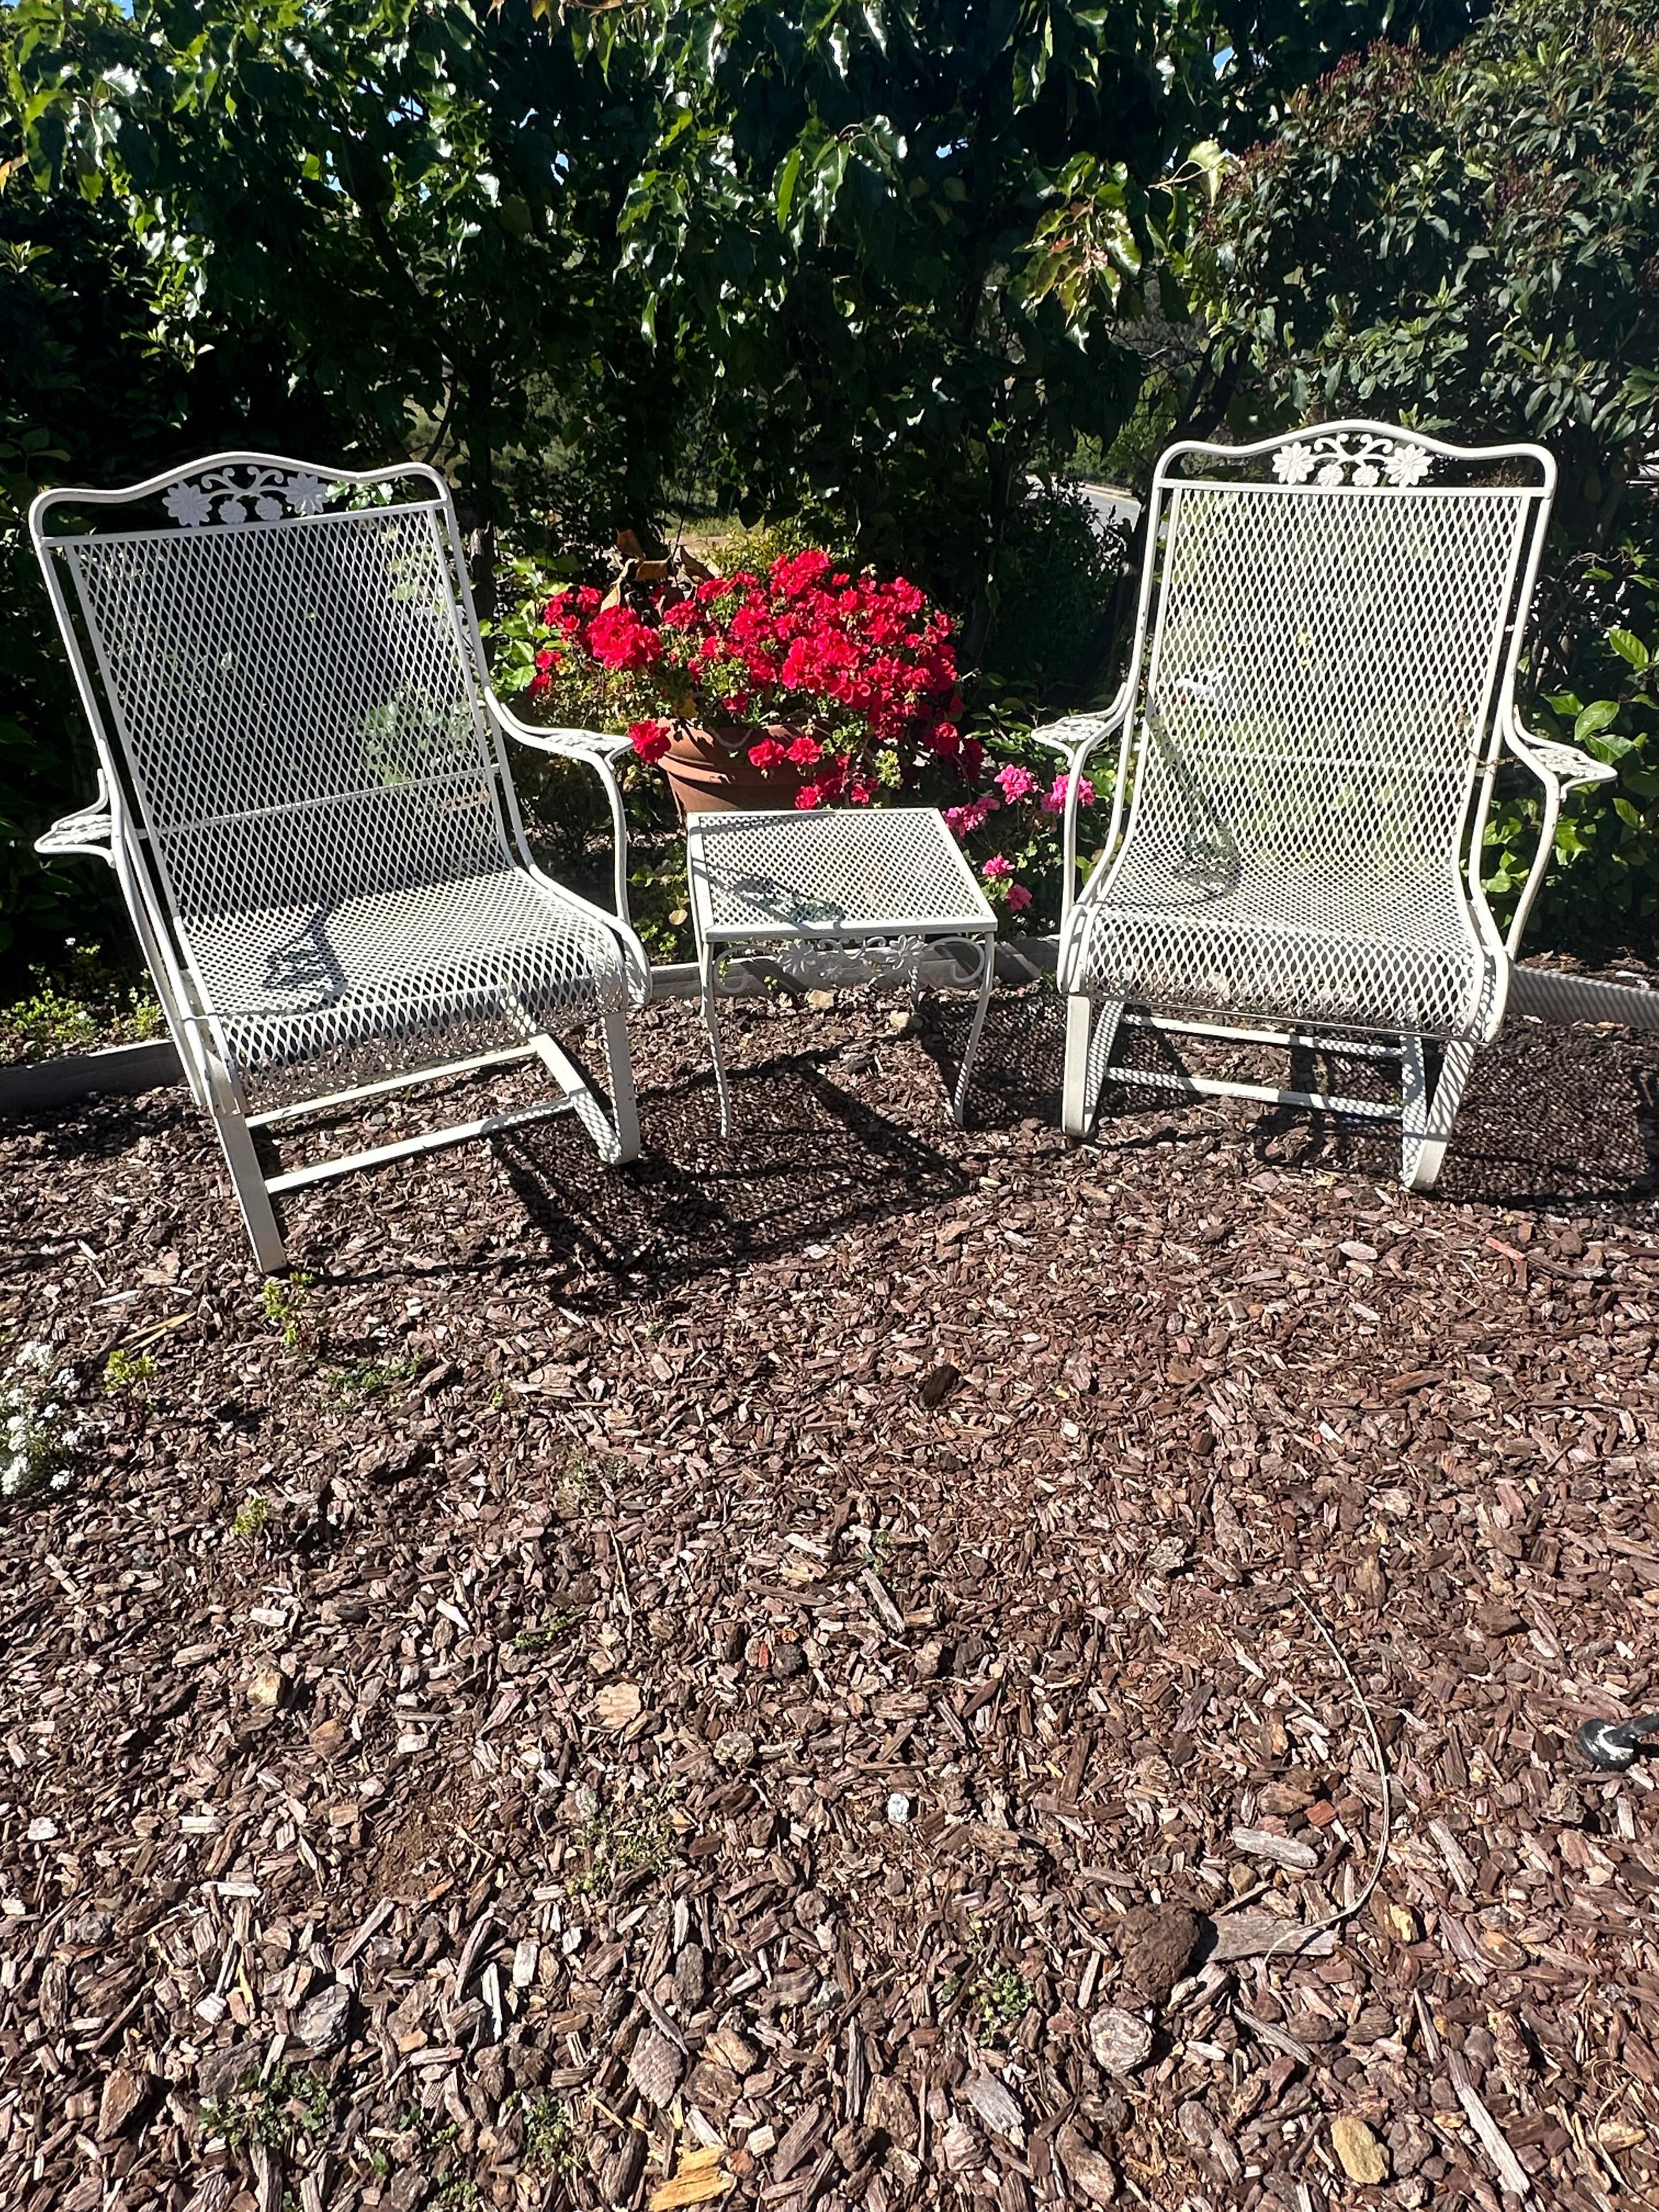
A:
[1322,669]
[294,705]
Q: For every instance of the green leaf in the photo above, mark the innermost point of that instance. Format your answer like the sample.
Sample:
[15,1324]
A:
[1594,719]
[1628,646]
[787,178]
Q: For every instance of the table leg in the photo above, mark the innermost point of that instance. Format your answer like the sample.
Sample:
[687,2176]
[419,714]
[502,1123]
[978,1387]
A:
[988,958]
[711,1022]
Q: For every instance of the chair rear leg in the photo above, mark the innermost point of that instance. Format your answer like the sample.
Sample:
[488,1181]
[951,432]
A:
[1425,1121]
[247,1177]
[1090,1033]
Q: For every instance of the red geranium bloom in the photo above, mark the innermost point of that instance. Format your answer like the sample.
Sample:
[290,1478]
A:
[768,753]
[650,740]
[805,752]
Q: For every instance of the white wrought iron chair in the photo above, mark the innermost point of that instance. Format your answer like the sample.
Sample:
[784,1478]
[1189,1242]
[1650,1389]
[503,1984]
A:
[305,794]
[1320,693]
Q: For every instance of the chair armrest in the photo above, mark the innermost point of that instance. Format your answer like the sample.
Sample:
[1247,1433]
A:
[90,831]
[1074,738]
[1558,768]
[591,748]
[1568,766]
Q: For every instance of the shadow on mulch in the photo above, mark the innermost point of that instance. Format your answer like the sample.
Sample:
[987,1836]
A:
[806,1163]
[1552,1118]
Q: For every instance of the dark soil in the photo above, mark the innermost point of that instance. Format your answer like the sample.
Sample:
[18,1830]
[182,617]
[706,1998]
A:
[799,1670]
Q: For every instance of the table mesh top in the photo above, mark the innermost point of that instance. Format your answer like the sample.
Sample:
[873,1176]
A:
[835,873]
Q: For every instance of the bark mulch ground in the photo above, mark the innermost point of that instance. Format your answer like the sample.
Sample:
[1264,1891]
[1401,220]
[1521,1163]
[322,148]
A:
[848,1670]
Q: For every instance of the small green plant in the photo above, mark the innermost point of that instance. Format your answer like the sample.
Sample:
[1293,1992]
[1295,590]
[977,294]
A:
[622,1842]
[456,2192]
[288,2104]
[288,1309]
[1000,1999]
[75,1005]
[572,1485]
[552,2141]
[128,1370]
[998,1996]
[251,1515]
[367,1378]
[550,1632]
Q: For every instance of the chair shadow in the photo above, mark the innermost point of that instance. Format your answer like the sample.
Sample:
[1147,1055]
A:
[1552,1118]
[808,1163]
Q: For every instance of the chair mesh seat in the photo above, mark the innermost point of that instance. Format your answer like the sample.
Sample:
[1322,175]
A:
[1287,943]
[494,951]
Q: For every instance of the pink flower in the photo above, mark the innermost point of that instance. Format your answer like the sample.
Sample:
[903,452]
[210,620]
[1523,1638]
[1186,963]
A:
[1053,801]
[1015,782]
[808,797]
[998,866]
[650,740]
[805,752]
[964,820]
[1018,898]
[768,753]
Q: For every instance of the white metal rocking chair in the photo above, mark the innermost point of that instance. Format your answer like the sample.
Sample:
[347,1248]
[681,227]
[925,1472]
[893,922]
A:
[305,795]
[1323,665]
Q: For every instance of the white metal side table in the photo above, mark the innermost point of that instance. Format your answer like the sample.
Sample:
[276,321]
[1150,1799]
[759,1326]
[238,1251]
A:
[866,896]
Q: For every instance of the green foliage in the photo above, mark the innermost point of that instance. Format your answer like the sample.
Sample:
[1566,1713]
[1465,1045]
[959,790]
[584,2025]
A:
[288,2107]
[251,1515]
[412,204]
[287,1303]
[553,2137]
[1470,245]
[896,243]
[623,1840]
[1603,888]
[83,1004]
[128,1371]
[363,1379]
[543,1639]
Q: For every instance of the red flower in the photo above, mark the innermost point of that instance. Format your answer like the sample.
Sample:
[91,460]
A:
[650,740]
[805,752]
[618,639]
[768,753]
[808,797]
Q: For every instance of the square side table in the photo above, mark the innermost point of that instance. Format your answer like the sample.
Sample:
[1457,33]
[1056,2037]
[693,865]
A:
[889,882]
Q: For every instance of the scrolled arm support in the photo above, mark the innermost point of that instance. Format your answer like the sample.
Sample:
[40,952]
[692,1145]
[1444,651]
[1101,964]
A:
[1557,767]
[1074,738]
[89,833]
[593,749]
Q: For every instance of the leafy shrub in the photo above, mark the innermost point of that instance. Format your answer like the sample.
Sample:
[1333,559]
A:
[1470,245]
[1598,686]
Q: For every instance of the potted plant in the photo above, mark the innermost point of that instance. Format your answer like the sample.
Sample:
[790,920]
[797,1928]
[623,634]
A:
[802,687]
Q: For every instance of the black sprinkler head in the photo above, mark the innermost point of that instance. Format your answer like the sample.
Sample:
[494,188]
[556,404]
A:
[1613,1744]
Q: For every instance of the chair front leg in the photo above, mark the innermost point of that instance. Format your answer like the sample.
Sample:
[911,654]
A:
[246,1176]
[1090,1033]
[624,1109]
[1425,1121]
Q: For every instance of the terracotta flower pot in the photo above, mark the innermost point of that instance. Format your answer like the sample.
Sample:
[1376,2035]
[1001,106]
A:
[710,770]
